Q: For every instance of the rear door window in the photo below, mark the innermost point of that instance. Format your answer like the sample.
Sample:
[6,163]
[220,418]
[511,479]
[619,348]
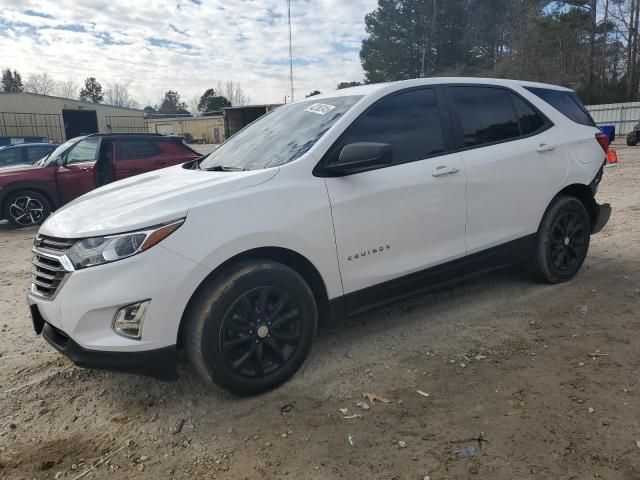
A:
[137,148]
[409,121]
[36,153]
[566,102]
[486,115]
[10,156]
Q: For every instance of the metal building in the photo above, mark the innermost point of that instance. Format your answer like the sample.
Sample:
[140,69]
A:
[58,119]
[236,118]
[194,129]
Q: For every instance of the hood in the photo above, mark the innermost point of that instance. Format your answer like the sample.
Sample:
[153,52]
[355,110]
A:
[13,169]
[145,200]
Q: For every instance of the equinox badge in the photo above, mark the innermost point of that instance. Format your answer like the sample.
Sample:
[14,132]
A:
[368,253]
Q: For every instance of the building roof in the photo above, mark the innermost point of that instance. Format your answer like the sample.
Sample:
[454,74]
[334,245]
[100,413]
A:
[70,100]
[264,105]
[173,119]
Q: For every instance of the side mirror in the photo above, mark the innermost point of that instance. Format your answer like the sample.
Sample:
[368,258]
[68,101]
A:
[359,157]
[59,161]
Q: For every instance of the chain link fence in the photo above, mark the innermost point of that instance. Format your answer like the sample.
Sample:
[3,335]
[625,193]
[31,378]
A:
[624,116]
[32,125]
[126,124]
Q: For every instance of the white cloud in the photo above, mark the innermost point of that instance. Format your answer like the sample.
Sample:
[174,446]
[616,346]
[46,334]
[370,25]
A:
[184,46]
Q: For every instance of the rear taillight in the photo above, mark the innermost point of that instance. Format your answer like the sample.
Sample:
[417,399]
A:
[603,140]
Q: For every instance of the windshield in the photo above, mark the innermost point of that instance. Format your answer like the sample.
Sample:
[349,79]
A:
[56,153]
[280,136]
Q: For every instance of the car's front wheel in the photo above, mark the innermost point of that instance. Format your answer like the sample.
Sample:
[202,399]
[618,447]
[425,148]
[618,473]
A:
[562,242]
[26,208]
[250,327]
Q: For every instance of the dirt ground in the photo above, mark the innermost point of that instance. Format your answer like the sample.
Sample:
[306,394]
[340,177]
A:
[550,374]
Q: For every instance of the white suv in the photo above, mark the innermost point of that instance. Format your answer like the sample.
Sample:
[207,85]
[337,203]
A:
[319,210]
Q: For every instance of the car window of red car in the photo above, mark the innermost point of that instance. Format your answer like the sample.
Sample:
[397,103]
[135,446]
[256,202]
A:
[133,148]
[84,151]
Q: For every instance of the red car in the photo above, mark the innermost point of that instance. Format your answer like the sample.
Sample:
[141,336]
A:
[29,193]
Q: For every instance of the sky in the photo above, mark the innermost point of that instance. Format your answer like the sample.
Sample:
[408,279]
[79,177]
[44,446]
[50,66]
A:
[187,45]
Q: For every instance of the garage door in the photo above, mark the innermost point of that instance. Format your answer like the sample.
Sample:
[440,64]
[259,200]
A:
[166,129]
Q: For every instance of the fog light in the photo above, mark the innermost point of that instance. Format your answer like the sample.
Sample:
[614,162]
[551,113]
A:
[129,319]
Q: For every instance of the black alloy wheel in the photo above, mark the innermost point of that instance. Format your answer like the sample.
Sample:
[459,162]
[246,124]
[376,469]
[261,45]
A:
[250,326]
[562,241]
[568,242]
[260,332]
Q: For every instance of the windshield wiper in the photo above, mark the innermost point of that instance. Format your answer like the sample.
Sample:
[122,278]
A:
[223,168]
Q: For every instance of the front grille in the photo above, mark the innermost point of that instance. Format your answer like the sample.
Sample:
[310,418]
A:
[58,245]
[46,275]
[47,271]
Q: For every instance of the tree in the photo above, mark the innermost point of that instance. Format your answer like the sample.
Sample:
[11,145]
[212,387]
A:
[149,111]
[413,38]
[40,83]
[588,45]
[11,82]
[342,85]
[211,103]
[92,91]
[117,94]
[233,92]
[66,89]
[313,94]
[193,105]
[172,105]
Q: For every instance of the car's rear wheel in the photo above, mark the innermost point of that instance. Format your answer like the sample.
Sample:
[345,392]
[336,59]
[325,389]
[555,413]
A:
[26,208]
[251,327]
[562,242]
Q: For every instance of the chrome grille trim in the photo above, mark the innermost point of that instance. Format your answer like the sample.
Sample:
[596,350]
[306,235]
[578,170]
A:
[58,245]
[50,266]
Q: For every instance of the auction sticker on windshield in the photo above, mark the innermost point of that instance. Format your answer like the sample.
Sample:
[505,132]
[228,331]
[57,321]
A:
[320,108]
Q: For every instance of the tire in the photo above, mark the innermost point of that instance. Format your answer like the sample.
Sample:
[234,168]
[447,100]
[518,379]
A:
[562,242]
[631,141]
[26,208]
[250,328]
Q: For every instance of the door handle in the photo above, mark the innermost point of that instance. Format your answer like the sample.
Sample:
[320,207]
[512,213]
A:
[85,169]
[443,170]
[545,147]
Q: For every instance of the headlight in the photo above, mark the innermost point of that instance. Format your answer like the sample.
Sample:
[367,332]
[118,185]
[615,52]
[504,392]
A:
[98,250]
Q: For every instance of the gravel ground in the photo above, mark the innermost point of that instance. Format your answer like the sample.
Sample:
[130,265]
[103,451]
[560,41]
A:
[547,374]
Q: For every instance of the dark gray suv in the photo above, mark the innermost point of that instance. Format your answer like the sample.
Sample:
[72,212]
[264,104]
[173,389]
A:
[24,153]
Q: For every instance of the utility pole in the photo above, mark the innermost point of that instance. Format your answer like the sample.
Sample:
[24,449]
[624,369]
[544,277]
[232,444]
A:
[290,49]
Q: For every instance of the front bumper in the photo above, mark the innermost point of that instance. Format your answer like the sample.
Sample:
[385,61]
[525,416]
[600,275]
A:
[603,213]
[160,363]
[78,319]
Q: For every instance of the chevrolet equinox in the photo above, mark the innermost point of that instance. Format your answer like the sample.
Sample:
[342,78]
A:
[321,209]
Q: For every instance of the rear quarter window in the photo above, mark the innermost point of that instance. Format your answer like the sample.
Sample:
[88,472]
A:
[131,149]
[566,103]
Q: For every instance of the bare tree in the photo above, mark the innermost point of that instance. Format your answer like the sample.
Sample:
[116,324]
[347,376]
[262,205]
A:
[193,105]
[66,89]
[40,83]
[117,94]
[233,92]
